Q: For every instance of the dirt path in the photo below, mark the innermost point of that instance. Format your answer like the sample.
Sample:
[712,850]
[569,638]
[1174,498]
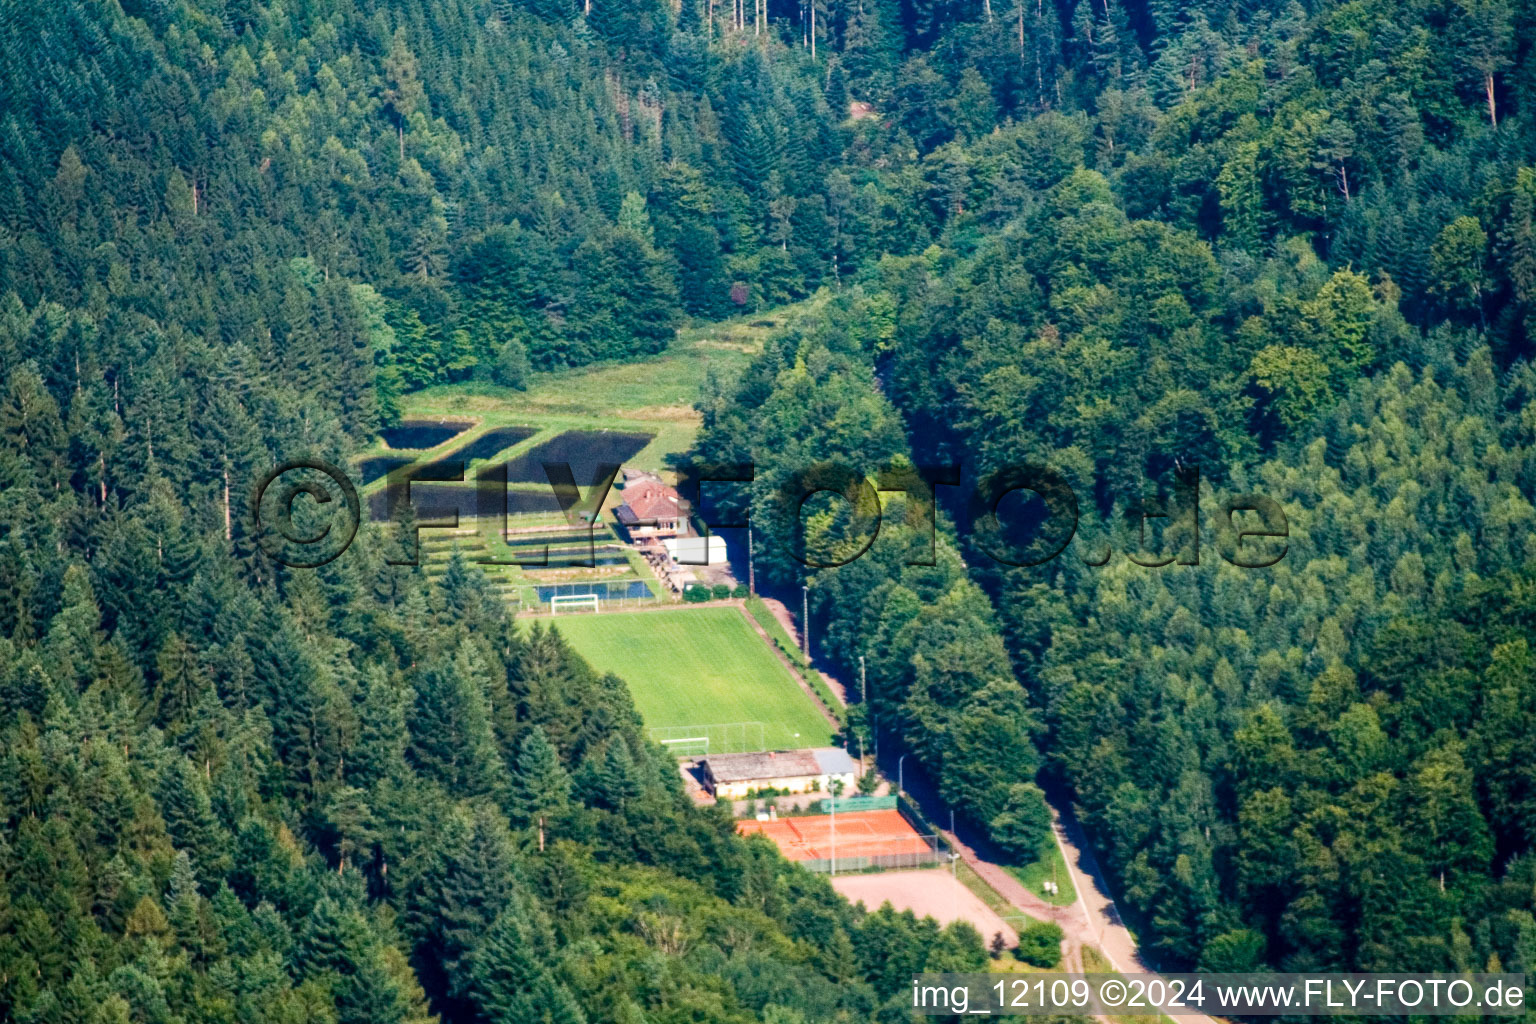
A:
[1012,890]
[786,619]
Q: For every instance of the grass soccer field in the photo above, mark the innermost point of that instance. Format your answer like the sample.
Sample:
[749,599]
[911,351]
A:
[699,666]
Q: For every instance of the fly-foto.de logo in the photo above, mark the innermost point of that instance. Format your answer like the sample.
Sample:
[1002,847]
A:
[306,512]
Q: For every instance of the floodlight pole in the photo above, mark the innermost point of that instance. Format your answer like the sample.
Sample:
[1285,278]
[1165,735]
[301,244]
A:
[805,621]
[901,788]
[834,786]
[954,877]
[863,699]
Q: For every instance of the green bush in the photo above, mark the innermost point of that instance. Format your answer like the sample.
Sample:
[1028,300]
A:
[1040,944]
[721,591]
[695,593]
[511,368]
[741,592]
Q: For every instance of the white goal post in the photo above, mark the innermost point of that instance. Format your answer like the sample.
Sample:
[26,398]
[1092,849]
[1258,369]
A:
[559,601]
[718,738]
[687,746]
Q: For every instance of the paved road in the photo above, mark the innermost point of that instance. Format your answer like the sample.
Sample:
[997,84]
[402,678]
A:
[1101,918]
[1087,922]
[1093,920]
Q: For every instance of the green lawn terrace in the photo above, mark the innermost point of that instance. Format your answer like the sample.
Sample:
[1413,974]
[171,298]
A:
[639,415]
[547,552]
[546,548]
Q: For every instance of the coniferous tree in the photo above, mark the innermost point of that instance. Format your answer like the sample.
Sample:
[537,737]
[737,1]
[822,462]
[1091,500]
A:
[540,785]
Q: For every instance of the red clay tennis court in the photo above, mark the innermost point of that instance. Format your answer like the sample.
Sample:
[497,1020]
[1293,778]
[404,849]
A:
[859,834]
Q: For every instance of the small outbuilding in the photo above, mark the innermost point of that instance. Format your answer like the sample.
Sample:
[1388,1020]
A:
[696,550]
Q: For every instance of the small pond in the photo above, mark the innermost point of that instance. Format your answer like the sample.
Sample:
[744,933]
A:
[599,537]
[417,434]
[380,465]
[491,442]
[584,450]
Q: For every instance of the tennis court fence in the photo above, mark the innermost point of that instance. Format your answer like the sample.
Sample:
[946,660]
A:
[934,856]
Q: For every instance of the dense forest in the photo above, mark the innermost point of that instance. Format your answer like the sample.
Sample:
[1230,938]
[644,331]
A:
[236,233]
[357,797]
[1290,244]
[1290,247]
